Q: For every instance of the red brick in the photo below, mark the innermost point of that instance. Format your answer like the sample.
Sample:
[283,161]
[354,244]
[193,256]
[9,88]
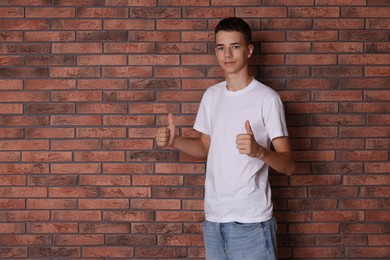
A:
[51,204]
[102,84]
[104,203]
[127,216]
[363,35]
[89,12]
[158,36]
[12,180]
[135,192]
[364,228]
[377,24]
[288,2]
[102,60]
[79,120]
[128,120]
[333,191]
[178,193]
[165,251]
[303,24]
[12,228]
[155,204]
[46,12]
[130,24]
[106,228]
[78,215]
[340,2]
[30,215]
[337,47]
[54,252]
[11,84]
[362,204]
[318,252]
[75,2]
[314,12]
[381,252]
[101,156]
[143,180]
[25,168]
[133,168]
[11,61]
[12,204]
[378,240]
[247,12]
[75,168]
[193,48]
[58,24]
[105,180]
[312,36]
[70,192]
[320,228]
[208,12]
[49,133]
[60,240]
[19,24]
[339,71]
[75,145]
[365,12]
[127,72]
[184,3]
[11,36]
[108,251]
[24,120]
[50,84]
[140,12]
[339,216]
[70,72]
[338,119]
[377,71]
[338,24]
[47,156]
[77,48]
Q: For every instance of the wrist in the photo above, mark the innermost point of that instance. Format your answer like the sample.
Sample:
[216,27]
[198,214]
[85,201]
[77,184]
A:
[260,152]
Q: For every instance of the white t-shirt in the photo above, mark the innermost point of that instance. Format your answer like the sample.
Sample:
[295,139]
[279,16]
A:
[237,186]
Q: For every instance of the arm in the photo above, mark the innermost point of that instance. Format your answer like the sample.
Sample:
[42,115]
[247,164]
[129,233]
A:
[280,160]
[195,147]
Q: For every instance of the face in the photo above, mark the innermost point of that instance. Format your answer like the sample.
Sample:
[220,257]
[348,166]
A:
[232,51]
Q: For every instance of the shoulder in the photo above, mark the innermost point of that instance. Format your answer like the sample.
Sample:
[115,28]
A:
[265,91]
[214,89]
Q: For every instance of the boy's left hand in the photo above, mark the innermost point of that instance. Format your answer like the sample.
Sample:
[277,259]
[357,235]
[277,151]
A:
[246,143]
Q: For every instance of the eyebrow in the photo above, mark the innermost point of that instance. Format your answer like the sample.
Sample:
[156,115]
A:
[233,43]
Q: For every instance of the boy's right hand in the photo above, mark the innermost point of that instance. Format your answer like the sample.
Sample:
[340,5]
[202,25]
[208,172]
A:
[166,135]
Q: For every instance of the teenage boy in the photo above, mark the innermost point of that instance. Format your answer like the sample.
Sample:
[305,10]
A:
[237,120]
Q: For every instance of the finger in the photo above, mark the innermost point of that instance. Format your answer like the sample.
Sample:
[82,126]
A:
[248,127]
[170,120]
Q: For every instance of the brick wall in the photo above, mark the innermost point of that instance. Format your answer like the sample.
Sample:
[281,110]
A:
[84,84]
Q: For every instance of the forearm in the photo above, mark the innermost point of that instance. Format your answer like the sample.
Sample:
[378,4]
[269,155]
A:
[282,162]
[191,146]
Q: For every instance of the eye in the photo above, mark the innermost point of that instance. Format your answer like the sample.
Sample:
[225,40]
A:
[235,46]
[220,48]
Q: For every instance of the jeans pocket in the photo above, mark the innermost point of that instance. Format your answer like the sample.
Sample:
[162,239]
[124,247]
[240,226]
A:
[241,224]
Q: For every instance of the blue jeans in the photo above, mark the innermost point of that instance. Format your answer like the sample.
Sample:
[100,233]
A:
[240,241]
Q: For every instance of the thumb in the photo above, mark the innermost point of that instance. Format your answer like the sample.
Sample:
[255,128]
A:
[172,129]
[170,120]
[248,127]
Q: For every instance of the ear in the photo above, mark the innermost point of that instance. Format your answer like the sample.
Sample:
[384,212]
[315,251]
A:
[250,50]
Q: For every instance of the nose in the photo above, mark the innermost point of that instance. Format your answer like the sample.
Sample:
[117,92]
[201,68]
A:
[228,52]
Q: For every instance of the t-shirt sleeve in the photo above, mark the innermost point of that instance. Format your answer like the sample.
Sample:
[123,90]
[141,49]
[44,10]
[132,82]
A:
[202,121]
[274,119]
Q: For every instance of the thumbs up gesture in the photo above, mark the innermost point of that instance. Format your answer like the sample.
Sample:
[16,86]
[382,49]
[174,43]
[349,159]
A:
[166,135]
[246,143]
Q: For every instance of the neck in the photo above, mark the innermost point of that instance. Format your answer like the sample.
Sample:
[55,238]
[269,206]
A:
[238,82]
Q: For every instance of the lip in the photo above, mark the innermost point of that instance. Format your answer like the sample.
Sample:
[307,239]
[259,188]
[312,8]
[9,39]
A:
[228,63]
